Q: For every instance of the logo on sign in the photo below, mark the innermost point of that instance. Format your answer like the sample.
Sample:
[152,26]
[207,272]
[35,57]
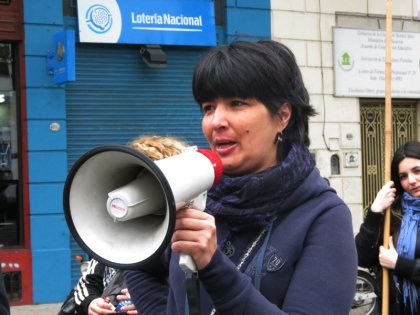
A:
[99,19]
[346,62]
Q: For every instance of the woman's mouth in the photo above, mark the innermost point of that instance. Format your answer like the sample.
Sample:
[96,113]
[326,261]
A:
[225,147]
[415,190]
[222,145]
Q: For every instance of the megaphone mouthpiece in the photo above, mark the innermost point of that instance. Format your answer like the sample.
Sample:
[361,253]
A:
[216,162]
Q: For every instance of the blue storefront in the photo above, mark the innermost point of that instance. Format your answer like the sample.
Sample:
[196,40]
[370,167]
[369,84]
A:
[120,88]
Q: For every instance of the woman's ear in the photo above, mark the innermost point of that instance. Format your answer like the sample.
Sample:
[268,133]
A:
[283,115]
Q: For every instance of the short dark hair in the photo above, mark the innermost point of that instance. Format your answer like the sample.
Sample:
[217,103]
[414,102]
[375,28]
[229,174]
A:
[408,149]
[265,70]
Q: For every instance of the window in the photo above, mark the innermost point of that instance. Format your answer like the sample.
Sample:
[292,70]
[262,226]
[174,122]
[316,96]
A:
[335,165]
[10,210]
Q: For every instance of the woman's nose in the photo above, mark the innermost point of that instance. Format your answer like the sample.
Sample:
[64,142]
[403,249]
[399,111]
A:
[220,117]
[412,178]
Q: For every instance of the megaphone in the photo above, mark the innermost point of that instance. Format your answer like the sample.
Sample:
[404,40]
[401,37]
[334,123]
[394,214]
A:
[120,205]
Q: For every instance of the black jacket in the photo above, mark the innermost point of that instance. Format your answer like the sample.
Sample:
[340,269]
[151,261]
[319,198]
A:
[368,241]
[99,281]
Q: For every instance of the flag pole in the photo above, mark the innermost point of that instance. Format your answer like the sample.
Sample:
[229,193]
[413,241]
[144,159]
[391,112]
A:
[388,148]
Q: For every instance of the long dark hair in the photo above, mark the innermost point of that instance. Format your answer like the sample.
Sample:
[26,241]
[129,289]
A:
[265,70]
[409,149]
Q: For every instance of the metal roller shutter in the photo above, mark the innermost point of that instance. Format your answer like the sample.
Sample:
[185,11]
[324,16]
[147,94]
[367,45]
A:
[117,97]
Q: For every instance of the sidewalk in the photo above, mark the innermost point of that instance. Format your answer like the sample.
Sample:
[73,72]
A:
[39,309]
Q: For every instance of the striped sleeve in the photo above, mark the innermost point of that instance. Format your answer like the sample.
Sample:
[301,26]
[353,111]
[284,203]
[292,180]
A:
[89,287]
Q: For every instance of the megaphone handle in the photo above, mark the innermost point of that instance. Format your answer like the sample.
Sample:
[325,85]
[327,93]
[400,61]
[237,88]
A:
[186,263]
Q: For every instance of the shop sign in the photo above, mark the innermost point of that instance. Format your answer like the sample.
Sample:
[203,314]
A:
[170,22]
[359,63]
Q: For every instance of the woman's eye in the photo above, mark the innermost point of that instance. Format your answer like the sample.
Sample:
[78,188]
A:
[237,103]
[206,108]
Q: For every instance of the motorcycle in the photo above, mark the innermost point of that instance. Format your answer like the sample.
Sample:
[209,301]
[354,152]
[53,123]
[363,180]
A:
[365,301]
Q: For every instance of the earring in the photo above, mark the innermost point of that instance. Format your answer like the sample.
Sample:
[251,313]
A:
[279,138]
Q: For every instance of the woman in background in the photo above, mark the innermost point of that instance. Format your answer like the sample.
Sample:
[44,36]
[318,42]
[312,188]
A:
[403,256]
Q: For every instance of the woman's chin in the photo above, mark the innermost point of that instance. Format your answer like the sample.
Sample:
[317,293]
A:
[230,169]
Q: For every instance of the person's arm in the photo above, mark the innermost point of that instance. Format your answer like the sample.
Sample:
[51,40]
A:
[149,289]
[323,281]
[327,272]
[89,287]
[149,294]
[369,239]
[408,268]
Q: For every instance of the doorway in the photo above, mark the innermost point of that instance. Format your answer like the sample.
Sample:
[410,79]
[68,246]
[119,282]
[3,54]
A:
[404,128]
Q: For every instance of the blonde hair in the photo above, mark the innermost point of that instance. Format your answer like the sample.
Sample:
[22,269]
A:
[158,147]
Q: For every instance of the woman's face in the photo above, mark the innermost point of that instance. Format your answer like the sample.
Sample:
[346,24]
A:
[243,133]
[409,174]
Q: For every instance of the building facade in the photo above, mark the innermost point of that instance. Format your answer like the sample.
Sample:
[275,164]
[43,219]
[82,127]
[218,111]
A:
[347,135]
[46,126]
[122,90]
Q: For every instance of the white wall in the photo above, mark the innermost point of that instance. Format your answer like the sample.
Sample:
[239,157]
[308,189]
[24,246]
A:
[306,26]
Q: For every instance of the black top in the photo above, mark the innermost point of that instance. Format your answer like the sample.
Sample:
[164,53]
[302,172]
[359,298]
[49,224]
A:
[368,241]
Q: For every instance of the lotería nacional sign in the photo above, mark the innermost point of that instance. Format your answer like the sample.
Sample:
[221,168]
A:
[170,22]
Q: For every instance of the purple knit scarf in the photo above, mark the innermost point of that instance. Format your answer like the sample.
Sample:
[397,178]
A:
[255,199]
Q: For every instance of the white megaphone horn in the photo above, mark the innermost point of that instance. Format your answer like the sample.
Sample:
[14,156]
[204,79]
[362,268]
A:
[120,205]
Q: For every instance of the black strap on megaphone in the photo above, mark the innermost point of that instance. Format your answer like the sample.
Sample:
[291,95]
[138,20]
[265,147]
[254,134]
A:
[193,293]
